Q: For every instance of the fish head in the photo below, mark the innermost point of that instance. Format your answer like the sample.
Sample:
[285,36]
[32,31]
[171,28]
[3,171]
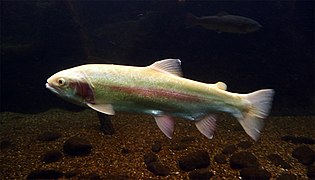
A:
[251,26]
[72,86]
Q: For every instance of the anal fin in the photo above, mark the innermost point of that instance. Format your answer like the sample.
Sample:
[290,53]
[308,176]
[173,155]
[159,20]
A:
[166,125]
[207,126]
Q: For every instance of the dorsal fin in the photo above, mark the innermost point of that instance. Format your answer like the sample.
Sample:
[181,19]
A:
[171,66]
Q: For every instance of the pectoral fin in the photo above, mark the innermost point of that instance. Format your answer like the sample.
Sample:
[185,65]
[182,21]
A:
[207,126]
[166,124]
[103,108]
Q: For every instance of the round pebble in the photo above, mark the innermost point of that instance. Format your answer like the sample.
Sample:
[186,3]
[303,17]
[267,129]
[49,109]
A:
[51,156]
[156,147]
[220,158]
[5,145]
[298,139]
[48,136]
[243,159]
[304,154]
[200,174]
[76,146]
[195,160]
[245,144]
[158,168]
[278,161]
[286,177]
[150,157]
[311,171]
[45,174]
[254,173]
[230,149]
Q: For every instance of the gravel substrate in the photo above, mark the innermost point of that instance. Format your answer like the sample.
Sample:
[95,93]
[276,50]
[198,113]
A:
[121,155]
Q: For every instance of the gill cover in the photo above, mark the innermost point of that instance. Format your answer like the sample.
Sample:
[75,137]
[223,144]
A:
[84,89]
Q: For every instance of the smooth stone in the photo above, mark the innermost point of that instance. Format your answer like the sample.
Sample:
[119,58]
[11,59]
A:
[76,146]
[311,172]
[298,139]
[242,160]
[220,158]
[245,144]
[156,147]
[286,177]
[254,173]
[304,154]
[179,146]
[51,156]
[5,145]
[195,160]
[230,149]
[117,177]
[278,161]
[48,136]
[45,174]
[200,174]
[92,176]
[158,168]
[71,174]
[150,157]
[125,150]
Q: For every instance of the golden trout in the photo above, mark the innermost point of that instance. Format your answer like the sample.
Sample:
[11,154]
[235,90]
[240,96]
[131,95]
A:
[159,90]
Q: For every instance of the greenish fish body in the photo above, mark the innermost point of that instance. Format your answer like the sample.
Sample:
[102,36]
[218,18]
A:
[160,91]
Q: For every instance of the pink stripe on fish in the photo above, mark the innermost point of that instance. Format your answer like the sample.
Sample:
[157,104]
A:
[147,92]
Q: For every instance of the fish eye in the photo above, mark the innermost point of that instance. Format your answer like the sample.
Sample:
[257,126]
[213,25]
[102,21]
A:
[61,81]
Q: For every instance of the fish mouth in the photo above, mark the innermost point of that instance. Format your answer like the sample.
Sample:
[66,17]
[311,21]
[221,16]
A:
[51,88]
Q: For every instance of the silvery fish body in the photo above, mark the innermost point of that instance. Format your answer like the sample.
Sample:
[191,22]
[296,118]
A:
[159,90]
[225,23]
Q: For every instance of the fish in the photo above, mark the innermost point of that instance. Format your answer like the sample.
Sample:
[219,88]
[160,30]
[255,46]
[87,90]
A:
[224,22]
[160,90]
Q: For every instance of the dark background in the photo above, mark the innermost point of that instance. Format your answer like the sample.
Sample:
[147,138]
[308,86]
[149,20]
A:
[40,38]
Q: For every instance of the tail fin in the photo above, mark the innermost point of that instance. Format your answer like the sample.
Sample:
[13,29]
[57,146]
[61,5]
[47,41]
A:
[252,118]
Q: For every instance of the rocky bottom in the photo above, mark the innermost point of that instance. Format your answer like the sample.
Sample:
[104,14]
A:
[62,144]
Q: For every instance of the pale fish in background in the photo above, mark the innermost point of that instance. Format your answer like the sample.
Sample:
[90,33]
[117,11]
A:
[160,91]
[224,22]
